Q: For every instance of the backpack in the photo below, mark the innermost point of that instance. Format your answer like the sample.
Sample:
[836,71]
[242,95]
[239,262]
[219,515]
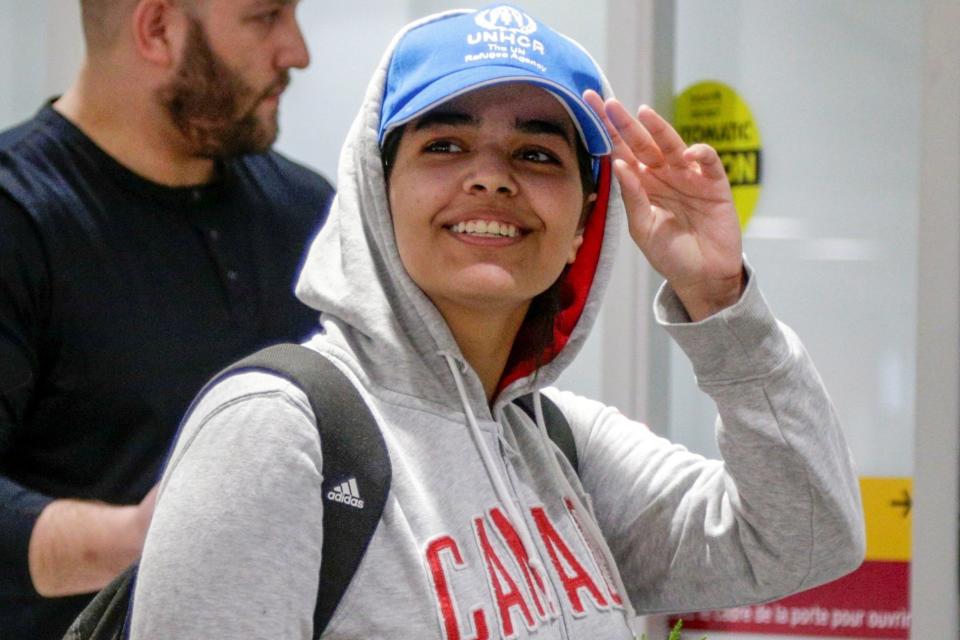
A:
[353,447]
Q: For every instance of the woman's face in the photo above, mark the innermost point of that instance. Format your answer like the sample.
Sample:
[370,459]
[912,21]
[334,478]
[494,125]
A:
[486,198]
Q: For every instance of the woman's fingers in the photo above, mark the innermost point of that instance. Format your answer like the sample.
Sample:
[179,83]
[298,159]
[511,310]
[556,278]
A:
[635,199]
[651,140]
[666,138]
[711,167]
[625,165]
[620,148]
[635,134]
[649,154]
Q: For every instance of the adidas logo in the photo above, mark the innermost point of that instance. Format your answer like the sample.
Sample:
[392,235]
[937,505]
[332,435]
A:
[347,493]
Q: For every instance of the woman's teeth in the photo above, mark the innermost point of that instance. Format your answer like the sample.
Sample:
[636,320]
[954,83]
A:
[486,228]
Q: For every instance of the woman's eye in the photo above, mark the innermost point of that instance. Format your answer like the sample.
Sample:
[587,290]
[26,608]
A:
[443,146]
[538,155]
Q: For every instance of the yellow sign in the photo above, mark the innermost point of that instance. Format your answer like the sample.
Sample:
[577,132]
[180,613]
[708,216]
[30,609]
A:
[713,113]
[887,508]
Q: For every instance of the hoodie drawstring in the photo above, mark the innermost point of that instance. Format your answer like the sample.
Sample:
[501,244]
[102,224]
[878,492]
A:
[590,527]
[500,486]
[588,524]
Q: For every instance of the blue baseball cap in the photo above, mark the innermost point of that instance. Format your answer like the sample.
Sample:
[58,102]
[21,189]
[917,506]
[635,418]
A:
[460,52]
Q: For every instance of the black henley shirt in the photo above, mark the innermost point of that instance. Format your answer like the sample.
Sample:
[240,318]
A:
[119,298]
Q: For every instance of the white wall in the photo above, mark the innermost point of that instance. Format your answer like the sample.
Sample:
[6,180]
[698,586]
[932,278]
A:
[41,47]
[346,42]
[934,579]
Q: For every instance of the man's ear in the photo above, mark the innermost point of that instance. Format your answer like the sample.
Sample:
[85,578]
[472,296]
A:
[159,29]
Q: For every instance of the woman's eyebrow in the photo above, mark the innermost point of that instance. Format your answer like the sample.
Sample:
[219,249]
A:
[537,126]
[550,127]
[440,118]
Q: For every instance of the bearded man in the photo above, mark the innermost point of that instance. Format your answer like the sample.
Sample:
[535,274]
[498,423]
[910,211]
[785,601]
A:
[148,237]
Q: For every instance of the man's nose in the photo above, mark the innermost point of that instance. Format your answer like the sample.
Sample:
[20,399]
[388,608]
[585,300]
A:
[294,52]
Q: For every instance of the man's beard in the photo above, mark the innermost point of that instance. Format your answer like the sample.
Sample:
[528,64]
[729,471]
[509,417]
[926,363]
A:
[212,106]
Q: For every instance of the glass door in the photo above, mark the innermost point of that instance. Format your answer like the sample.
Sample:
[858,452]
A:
[816,109]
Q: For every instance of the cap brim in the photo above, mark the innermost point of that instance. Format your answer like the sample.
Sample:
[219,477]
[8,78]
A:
[588,124]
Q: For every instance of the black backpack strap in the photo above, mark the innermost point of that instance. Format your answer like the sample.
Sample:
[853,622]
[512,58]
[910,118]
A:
[557,426]
[356,481]
[355,460]
[107,615]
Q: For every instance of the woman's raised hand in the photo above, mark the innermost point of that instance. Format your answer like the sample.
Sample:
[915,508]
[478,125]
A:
[679,207]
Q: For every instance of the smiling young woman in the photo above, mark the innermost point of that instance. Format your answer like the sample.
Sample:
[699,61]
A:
[481,195]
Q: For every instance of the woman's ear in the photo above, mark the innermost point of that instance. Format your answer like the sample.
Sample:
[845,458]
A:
[587,210]
[578,239]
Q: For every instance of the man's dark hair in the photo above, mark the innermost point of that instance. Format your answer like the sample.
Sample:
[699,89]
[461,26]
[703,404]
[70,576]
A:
[101,21]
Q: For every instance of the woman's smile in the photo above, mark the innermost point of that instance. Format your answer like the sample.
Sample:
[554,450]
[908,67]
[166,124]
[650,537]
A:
[485,229]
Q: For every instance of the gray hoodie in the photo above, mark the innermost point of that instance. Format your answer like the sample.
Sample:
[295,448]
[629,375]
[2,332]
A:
[488,532]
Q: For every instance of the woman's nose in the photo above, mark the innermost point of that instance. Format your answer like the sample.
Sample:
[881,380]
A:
[490,173]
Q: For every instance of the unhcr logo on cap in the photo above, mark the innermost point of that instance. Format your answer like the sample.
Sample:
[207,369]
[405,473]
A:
[506,33]
[507,18]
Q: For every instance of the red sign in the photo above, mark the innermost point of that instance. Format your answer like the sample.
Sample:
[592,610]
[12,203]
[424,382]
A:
[871,602]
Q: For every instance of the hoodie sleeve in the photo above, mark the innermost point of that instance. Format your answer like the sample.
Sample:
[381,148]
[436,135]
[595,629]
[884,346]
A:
[779,513]
[233,549]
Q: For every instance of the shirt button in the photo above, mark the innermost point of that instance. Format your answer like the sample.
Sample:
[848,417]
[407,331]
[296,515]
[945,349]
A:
[232,275]
[214,234]
[196,194]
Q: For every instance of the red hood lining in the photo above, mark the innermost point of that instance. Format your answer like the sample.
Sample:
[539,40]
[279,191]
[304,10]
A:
[574,290]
